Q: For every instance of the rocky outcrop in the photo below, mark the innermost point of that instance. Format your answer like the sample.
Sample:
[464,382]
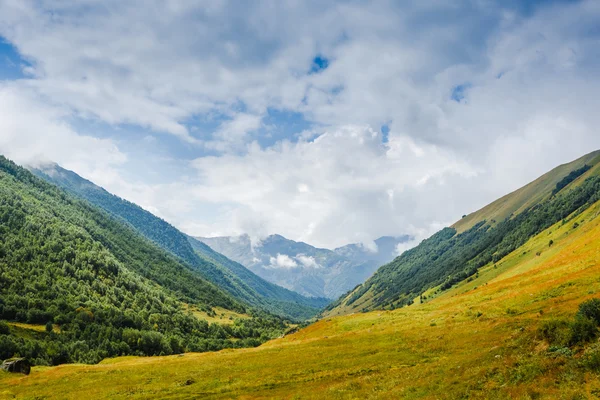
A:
[16,365]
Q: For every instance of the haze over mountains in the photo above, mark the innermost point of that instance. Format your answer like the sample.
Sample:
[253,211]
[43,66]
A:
[304,268]
[497,293]
[299,267]
[230,276]
[480,240]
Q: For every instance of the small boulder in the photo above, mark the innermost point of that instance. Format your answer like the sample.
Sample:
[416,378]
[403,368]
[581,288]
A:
[16,365]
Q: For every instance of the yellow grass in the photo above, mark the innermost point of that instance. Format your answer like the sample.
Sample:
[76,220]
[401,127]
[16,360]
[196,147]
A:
[223,316]
[467,343]
[33,327]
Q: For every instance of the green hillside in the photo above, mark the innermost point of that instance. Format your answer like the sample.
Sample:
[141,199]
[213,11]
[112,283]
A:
[100,288]
[228,275]
[481,239]
[527,329]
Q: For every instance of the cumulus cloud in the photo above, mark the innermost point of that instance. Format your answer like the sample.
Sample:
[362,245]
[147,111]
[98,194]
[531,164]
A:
[282,261]
[350,173]
[231,134]
[476,99]
[307,261]
[33,131]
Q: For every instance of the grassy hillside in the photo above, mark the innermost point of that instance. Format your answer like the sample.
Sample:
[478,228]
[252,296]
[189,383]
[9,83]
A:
[482,339]
[65,263]
[527,196]
[234,278]
[451,255]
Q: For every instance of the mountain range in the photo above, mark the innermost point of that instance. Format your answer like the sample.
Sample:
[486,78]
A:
[230,276]
[502,304]
[305,269]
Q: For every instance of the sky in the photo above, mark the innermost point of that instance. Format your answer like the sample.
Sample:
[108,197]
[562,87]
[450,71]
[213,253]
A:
[327,122]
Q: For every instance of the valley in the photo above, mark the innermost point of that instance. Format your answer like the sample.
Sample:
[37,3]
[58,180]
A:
[479,340]
[299,200]
[507,330]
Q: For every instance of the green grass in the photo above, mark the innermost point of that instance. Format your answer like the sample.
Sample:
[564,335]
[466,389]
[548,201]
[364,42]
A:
[448,257]
[20,326]
[466,343]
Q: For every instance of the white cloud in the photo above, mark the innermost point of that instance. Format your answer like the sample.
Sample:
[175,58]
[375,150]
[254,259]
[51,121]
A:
[282,261]
[307,261]
[32,131]
[529,103]
[350,172]
[231,134]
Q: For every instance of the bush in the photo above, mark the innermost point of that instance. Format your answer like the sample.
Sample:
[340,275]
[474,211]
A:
[4,328]
[590,309]
[582,330]
[591,358]
[556,332]
[557,351]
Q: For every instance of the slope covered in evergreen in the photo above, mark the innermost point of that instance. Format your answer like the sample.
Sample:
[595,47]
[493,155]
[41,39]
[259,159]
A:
[458,253]
[100,287]
[226,274]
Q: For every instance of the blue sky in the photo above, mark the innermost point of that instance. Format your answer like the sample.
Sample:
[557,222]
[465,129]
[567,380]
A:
[11,63]
[330,122]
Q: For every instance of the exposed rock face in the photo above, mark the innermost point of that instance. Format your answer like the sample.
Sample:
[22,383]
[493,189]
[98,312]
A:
[16,365]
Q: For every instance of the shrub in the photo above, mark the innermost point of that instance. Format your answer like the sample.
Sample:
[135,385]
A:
[557,351]
[590,309]
[582,330]
[526,371]
[4,328]
[591,358]
[556,332]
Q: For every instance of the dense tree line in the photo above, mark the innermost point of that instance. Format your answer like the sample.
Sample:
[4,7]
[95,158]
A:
[110,291]
[563,183]
[448,258]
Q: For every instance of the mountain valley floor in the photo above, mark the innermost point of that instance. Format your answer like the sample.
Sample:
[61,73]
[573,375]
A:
[480,339]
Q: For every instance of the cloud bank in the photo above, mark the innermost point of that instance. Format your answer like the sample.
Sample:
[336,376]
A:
[330,123]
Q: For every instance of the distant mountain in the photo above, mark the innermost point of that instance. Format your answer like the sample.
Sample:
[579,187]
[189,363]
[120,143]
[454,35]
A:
[232,277]
[304,268]
[480,240]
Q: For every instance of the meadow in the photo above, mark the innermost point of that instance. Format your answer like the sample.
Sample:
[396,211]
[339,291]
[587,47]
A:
[477,340]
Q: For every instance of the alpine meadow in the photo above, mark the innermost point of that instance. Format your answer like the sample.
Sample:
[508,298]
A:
[299,200]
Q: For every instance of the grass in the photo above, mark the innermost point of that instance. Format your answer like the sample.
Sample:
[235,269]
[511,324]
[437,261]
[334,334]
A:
[19,326]
[530,194]
[223,316]
[477,340]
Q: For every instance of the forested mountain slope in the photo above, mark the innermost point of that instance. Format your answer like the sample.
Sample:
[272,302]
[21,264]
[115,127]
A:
[458,253]
[230,276]
[100,287]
